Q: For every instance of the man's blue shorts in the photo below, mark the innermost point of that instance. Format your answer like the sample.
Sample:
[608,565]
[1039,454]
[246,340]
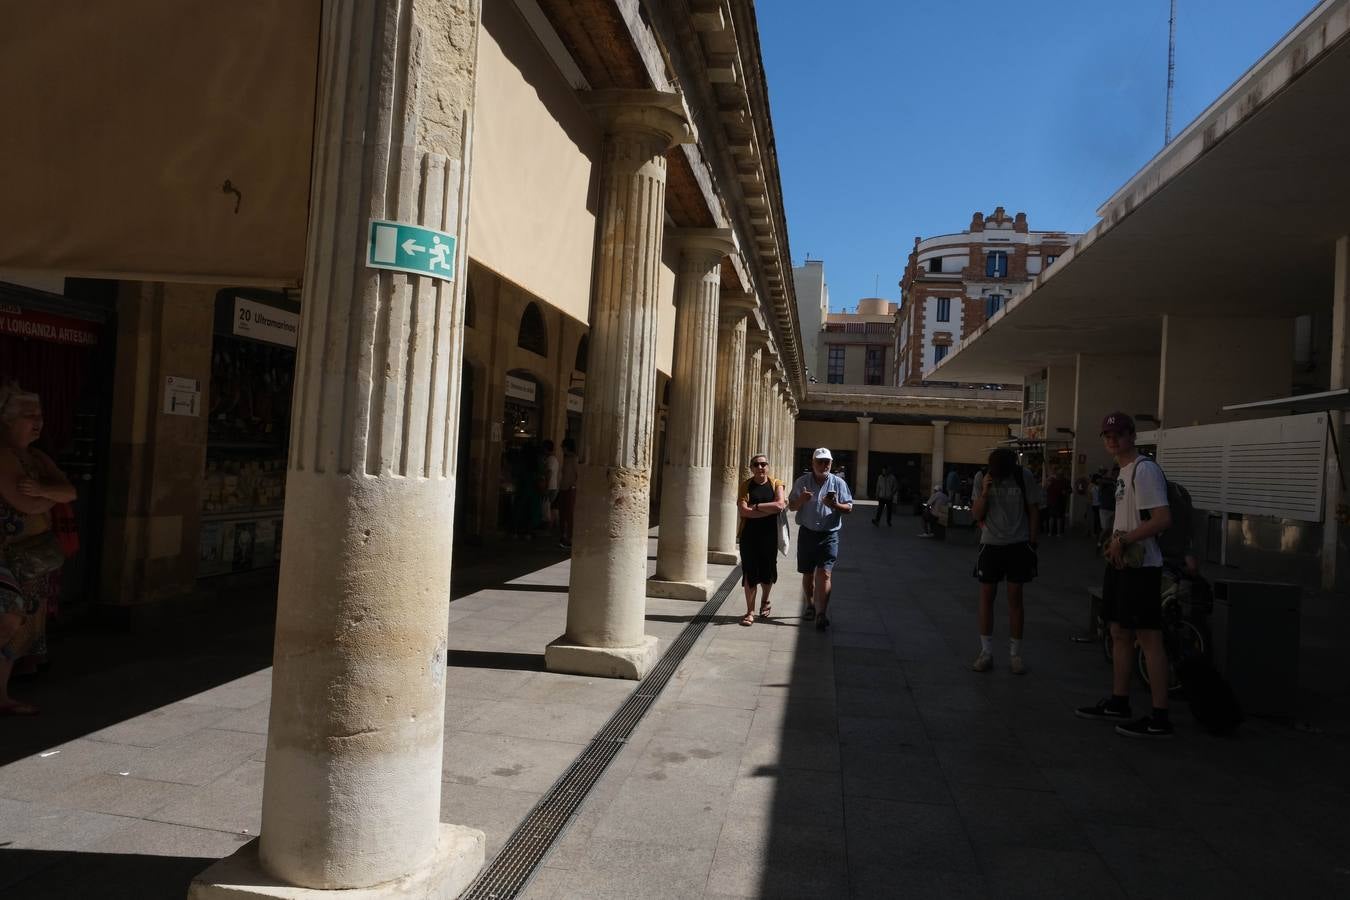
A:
[816,550]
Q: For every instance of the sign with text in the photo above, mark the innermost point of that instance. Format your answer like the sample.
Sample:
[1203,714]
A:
[265,323]
[20,321]
[412,249]
[520,388]
[182,396]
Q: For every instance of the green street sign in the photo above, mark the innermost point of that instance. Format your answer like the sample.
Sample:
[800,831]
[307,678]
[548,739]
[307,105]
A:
[411,249]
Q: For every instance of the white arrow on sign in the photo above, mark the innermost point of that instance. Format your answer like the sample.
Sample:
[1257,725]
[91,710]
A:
[410,247]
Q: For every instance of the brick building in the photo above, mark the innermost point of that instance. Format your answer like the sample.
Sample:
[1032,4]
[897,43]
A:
[954,283]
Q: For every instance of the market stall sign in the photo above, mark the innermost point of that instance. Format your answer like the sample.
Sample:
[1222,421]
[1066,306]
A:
[28,323]
[412,249]
[519,388]
[265,323]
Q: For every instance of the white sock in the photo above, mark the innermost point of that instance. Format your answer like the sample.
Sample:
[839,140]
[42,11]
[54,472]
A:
[987,644]
[1015,644]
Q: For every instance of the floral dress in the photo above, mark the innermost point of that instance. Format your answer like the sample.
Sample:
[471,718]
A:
[33,596]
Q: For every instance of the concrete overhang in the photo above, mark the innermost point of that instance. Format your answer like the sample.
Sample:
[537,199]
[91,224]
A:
[1236,217]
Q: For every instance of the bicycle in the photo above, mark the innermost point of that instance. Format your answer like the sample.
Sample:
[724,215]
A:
[1184,633]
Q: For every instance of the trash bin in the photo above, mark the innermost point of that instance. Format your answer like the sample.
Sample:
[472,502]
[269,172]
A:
[1255,632]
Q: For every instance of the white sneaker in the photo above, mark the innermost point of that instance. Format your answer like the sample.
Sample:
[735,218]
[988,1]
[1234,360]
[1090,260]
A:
[1016,666]
[983,663]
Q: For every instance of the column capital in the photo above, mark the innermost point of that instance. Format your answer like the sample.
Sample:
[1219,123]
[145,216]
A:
[659,114]
[715,243]
[865,420]
[940,424]
[733,306]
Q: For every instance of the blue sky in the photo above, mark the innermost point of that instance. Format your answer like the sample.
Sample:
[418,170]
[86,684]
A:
[896,118]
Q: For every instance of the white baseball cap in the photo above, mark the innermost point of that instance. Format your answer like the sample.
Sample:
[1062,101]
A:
[822,453]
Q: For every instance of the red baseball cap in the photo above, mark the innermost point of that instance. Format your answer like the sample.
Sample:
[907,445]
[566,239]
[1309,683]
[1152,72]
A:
[1119,423]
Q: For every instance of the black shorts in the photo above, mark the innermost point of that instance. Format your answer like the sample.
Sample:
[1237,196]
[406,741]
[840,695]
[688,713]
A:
[1133,597]
[1014,563]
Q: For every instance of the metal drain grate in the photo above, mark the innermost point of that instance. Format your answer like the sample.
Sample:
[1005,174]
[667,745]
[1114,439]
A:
[508,874]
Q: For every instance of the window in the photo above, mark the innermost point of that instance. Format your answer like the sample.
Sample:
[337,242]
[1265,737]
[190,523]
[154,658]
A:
[944,309]
[1049,260]
[992,304]
[835,372]
[935,264]
[996,264]
[532,335]
[939,352]
[875,370]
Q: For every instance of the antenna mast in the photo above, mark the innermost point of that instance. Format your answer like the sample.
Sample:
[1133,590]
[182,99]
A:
[1171,70]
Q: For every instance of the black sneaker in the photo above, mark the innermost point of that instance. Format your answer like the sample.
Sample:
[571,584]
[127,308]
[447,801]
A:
[809,613]
[1147,727]
[1103,710]
[822,623]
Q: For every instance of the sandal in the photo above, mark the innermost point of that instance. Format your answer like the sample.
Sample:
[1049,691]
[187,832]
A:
[748,619]
[764,609]
[809,613]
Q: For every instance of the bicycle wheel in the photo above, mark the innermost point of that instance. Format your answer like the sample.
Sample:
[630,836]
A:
[1181,639]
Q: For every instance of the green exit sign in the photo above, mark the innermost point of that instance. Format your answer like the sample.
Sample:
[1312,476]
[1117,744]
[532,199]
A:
[410,248]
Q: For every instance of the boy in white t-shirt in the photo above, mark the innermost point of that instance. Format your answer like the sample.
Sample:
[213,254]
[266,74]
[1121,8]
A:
[1132,584]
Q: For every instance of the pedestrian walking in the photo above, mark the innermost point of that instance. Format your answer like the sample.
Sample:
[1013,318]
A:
[952,485]
[567,493]
[552,470]
[1132,583]
[1007,505]
[760,501]
[887,488]
[820,499]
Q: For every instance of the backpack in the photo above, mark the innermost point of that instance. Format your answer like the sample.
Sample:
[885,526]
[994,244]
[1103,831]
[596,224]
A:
[1176,540]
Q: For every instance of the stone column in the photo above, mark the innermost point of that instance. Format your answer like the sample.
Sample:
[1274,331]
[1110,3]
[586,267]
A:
[1336,491]
[352,785]
[606,600]
[682,550]
[939,456]
[756,347]
[728,425]
[864,449]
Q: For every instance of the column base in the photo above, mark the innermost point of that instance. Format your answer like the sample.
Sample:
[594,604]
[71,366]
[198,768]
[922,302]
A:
[680,590]
[632,663]
[723,558]
[240,876]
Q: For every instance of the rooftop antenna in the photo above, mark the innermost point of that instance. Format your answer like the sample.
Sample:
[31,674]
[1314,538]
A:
[1171,71]
[876,286]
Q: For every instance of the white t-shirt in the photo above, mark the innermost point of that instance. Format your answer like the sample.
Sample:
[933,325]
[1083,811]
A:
[553,466]
[1144,489]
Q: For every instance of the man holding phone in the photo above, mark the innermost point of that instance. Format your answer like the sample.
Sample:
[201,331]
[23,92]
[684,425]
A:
[820,499]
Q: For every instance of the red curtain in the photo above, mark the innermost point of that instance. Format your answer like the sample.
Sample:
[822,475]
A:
[56,373]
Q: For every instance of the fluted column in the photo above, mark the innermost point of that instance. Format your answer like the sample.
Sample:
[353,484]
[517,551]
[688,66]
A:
[682,549]
[352,784]
[756,344]
[606,599]
[727,427]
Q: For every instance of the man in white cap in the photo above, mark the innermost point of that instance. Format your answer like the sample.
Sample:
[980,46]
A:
[820,499]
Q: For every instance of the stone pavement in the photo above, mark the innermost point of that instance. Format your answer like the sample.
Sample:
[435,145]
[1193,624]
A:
[864,762]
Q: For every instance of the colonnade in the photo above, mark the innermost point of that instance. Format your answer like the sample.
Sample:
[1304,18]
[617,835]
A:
[351,796]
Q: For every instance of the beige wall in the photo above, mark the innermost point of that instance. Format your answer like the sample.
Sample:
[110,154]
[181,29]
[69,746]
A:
[970,442]
[901,438]
[153,521]
[533,196]
[1208,363]
[835,435]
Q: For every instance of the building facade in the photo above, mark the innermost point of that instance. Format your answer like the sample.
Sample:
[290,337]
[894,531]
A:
[954,283]
[858,347]
[813,306]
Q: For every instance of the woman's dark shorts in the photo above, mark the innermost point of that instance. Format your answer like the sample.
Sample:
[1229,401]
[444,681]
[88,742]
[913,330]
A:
[1133,597]
[816,550]
[1013,563]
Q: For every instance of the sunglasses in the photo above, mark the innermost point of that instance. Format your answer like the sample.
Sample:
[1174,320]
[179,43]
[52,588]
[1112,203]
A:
[760,465]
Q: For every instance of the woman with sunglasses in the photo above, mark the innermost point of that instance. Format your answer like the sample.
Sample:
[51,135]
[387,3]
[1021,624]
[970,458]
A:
[760,502]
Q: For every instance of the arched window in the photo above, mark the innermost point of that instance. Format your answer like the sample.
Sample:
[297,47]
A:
[532,336]
[583,348]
